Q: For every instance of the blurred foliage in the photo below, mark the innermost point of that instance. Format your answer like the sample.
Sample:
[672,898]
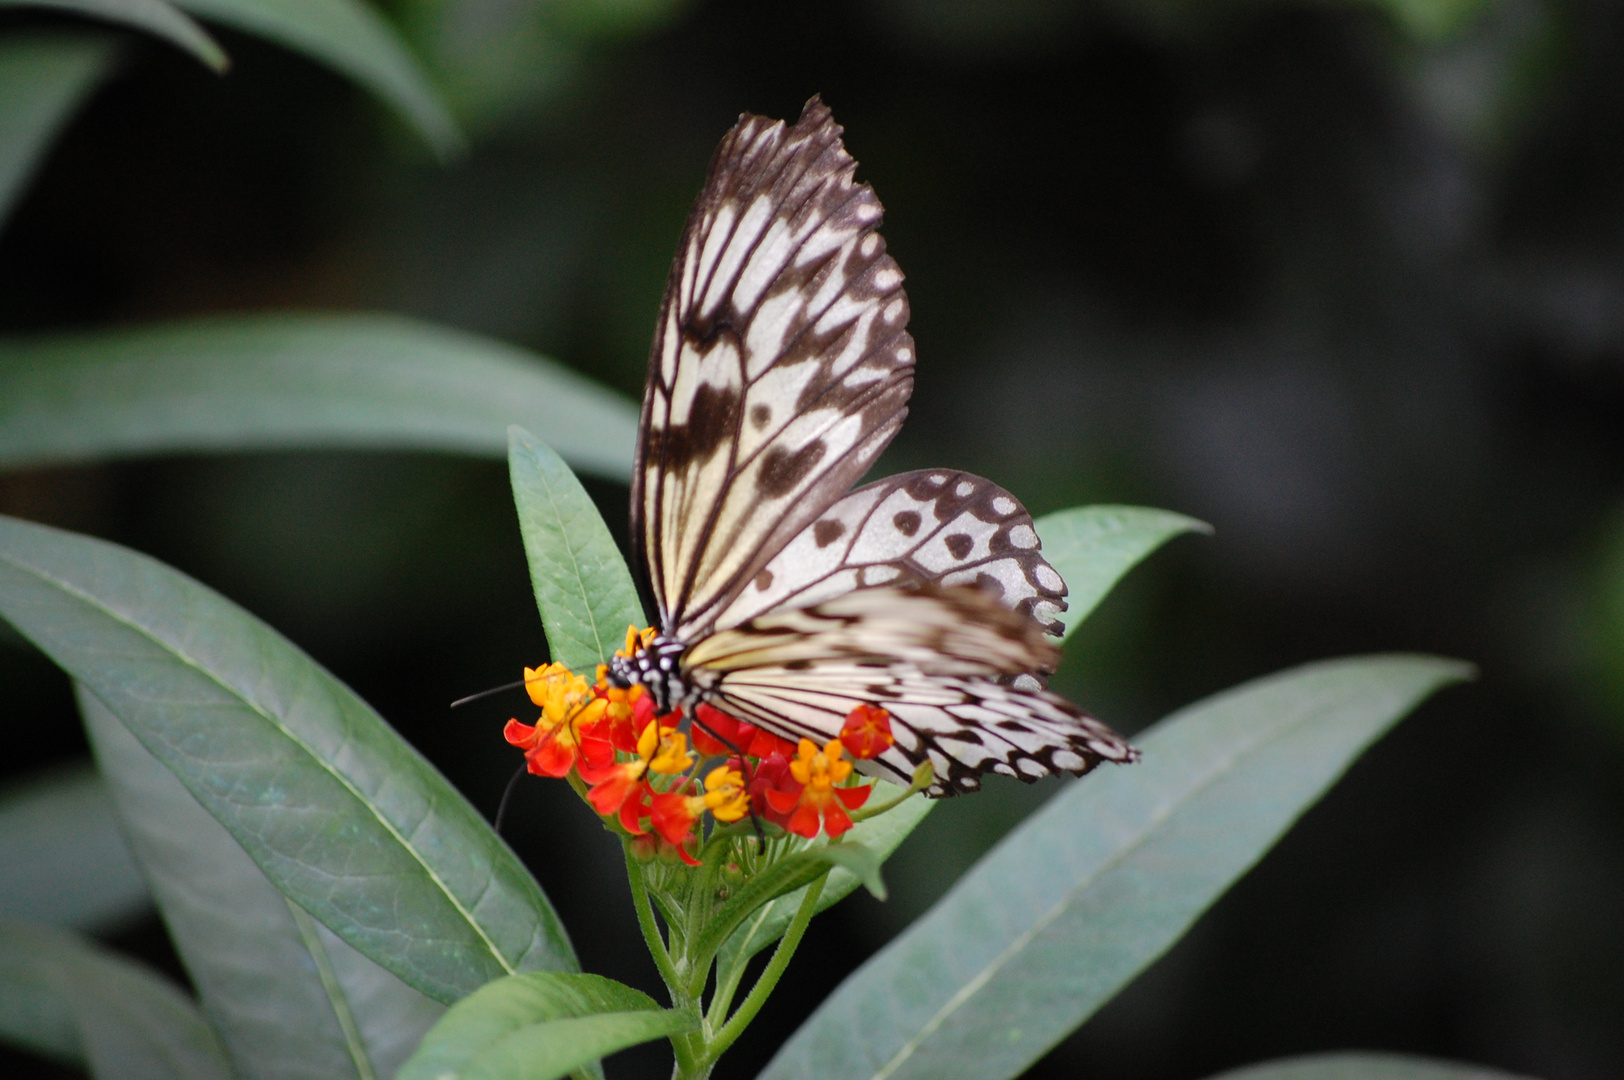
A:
[506,63]
[1340,278]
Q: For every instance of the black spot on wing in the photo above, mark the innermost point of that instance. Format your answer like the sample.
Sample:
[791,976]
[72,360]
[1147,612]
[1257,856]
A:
[713,419]
[827,532]
[959,545]
[906,522]
[782,469]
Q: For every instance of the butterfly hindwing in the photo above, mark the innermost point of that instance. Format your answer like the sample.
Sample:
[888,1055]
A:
[933,525]
[781,364]
[929,655]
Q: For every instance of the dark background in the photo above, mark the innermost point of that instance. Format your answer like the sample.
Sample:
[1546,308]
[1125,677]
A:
[1345,281]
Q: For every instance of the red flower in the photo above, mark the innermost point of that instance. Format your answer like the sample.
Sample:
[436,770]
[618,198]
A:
[614,783]
[673,813]
[770,774]
[867,732]
[570,714]
[717,734]
[819,800]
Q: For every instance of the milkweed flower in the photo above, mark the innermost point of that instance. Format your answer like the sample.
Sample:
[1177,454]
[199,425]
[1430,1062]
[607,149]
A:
[615,783]
[569,711]
[673,813]
[867,732]
[716,734]
[820,801]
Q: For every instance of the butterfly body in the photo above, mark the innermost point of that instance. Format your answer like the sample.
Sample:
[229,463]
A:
[781,367]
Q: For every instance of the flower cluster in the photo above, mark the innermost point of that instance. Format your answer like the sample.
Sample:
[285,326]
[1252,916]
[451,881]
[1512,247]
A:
[636,768]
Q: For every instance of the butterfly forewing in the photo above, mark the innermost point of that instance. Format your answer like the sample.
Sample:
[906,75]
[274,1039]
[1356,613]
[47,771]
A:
[781,364]
[933,525]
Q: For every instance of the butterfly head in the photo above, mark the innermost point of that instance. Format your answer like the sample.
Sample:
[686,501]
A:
[656,667]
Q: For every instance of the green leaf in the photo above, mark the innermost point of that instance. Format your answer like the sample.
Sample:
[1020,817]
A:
[582,586]
[1103,879]
[856,860]
[156,17]
[338,811]
[1094,546]
[33,1013]
[881,835]
[1362,1066]
[254,382]
[127,1023]
[352,38]
[540,1026]
[337,1014]
[44,78]
[66,861]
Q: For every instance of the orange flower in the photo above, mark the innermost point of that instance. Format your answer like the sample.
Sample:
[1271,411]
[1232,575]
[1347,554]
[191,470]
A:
[615,783]
[628,712]
[867,732]
[569,712]
[819,801]
[673,813]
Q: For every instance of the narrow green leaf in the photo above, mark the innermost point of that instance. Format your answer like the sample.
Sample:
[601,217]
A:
[855,859]
[337,810]
[255,382]
[128,1022]
[1363,1066]
[1103,879]
[243,944]
[354,39]
[538,1026]
[66,862]
[560,1047]
[44,78]
[156,17]
[582,586]
[881,835]
[1094,546]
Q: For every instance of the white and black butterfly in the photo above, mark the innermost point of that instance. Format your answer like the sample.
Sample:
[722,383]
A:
[781,368]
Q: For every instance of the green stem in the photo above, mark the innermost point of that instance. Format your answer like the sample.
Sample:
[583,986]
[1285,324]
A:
[727,981]
[922,780]
[769,978]
[650,928]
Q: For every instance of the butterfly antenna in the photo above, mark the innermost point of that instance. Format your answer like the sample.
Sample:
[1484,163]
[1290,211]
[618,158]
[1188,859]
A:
[538,677]
[507,796]
[487,693]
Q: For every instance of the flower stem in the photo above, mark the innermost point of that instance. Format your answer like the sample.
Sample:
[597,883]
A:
[650,928]
[922,780]
[769,978]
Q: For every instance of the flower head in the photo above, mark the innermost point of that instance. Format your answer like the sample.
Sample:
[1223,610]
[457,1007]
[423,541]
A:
[867,732]
[569,712]
[820,801]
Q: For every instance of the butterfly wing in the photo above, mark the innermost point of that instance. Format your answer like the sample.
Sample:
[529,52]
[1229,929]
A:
[934,525]
[930,655]
[781,364]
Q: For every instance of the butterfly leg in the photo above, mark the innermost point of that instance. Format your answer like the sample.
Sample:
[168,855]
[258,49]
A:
[507,794]
[744,765]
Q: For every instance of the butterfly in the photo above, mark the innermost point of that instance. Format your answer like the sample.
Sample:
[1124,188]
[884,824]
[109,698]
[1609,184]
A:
[781,367]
